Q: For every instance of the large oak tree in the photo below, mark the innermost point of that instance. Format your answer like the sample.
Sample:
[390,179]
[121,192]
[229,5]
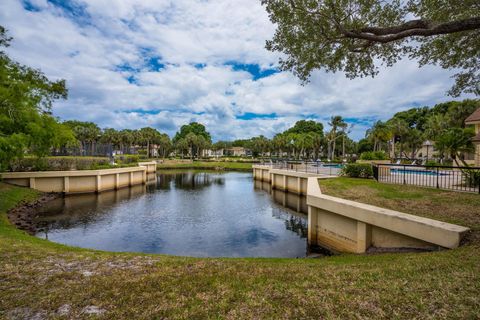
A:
[357,36]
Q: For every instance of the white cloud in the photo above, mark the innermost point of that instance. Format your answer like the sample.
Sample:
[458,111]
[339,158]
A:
[106,42]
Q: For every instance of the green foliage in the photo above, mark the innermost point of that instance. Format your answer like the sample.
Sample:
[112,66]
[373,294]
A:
[194,127]
[192,139]
[305,139]
[416,125]
[356,37]
[259,145]
[127,158]
[379,134]
[26,98]
[454,141]
[85,132]
[306,126]
[364,145]
[58,163]
[374,155]
[471,178]
[432,163]
[357,170]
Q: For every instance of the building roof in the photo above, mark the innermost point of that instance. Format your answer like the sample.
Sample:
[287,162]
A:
[474,117]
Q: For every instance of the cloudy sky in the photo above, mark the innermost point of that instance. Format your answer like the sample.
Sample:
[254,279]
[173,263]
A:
[159,63]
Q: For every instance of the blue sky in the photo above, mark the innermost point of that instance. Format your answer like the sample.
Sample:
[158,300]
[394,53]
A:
[136,63]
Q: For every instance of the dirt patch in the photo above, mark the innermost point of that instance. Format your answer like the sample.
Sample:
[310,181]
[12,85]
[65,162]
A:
[23,215]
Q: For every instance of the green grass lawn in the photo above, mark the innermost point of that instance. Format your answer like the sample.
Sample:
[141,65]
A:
[449,206]
[47,280]
[208,165]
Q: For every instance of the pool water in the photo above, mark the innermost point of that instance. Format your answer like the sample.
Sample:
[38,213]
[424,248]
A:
[202,214]
[421,172]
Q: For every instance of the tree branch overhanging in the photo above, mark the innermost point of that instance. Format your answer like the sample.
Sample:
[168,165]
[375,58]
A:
[412,28]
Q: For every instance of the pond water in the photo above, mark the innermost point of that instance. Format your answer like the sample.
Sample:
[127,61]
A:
[202,214]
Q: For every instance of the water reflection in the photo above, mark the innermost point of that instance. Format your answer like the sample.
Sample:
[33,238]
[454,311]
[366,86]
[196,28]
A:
[188,180]
[296,218]
[186,213]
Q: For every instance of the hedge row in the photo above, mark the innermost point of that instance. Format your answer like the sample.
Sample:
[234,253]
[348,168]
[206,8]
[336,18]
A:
[357,170]
[60,164]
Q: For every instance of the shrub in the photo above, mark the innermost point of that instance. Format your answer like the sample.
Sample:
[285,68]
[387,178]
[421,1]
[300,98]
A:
[58,163]
[357,170]
[127,158]
[471,178]
[374,155]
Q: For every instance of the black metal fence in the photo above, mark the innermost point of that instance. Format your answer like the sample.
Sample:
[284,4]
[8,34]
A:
[93,150]
[440,177]
[316,167]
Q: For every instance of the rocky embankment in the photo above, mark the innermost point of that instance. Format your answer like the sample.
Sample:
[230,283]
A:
[23,215]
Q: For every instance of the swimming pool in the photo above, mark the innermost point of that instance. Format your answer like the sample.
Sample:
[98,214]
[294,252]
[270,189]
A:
[420,172]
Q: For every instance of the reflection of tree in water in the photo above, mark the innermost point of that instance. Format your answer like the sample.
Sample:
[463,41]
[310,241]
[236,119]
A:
[295,223]
[81,210]
[188,180]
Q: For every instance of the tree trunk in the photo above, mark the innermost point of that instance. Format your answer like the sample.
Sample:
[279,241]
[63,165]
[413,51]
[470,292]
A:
[333,148]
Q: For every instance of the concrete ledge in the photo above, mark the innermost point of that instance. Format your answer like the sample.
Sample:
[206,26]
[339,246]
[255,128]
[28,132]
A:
[71,173]
[81,181]
[428,230]
[293,173]
[374,161]
[349,226]
[151,166]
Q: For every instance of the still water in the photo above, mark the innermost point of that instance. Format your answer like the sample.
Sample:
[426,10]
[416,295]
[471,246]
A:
[201,214]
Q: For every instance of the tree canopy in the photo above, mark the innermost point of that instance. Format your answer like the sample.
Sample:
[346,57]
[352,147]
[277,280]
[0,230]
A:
[195,128]
[306,126]
[26,97]
[357,36]
[444,124]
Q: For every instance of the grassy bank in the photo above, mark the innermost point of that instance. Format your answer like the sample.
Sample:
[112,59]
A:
[207,165]
[449,206]
[39,278]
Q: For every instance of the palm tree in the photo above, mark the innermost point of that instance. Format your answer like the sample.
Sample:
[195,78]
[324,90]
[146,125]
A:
[379,133]
[335,122]
[164,143]
[280,143]
[126,138]
[454,142]
[398,128]
[110,136]
[181,145]
[191,140]
[318,141]
[147,136]
[435,126]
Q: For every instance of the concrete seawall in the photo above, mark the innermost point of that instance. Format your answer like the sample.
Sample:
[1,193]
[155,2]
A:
[81,181]
[349,226]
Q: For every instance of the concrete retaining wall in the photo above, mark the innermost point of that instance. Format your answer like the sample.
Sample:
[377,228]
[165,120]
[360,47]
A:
[295,182]
[349,226]
[81,181]
[374,161]
[151,166]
